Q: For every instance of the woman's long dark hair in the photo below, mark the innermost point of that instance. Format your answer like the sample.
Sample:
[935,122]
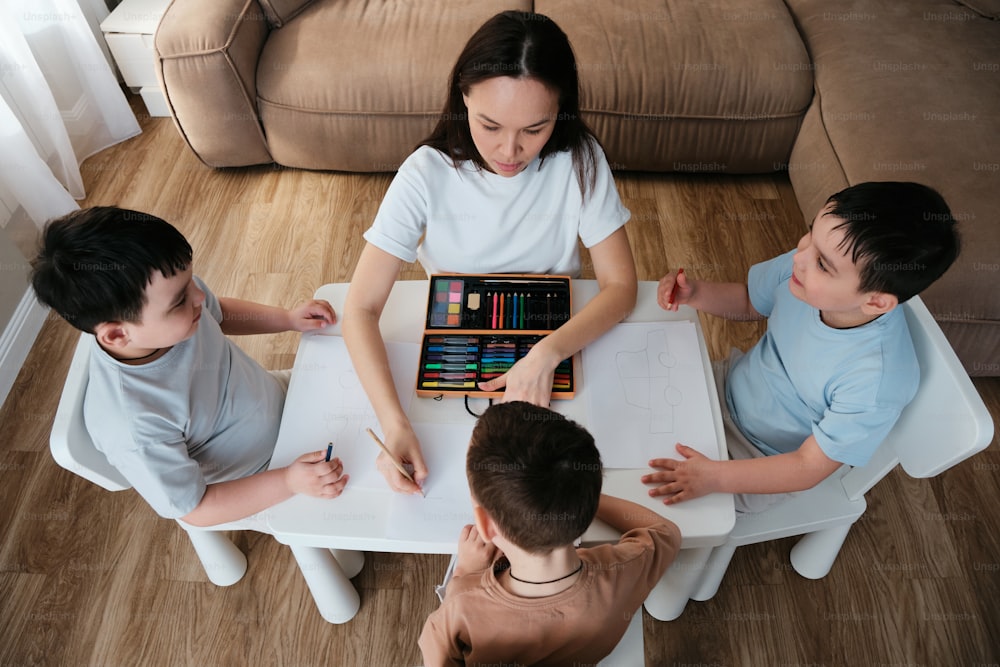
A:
[519,45]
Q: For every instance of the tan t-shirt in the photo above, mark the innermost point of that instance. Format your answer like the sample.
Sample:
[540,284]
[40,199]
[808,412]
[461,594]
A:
[480,623]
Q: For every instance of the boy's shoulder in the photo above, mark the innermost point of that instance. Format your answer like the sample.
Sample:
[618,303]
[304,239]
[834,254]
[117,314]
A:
[663,538]
[649,550]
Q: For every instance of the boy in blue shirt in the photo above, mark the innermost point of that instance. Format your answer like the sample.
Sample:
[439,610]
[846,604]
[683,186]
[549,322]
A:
[836,366]
[187,417]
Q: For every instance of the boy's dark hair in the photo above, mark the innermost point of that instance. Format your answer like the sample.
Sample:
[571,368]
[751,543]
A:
[519,45]
[93,265]
[901,235]
[536,473]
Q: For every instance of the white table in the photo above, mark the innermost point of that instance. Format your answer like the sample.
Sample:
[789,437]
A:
[356,521]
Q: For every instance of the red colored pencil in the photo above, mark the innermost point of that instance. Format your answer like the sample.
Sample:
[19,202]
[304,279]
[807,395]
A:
[673,290]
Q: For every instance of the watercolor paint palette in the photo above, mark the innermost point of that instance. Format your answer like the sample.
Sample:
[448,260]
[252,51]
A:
[478,326]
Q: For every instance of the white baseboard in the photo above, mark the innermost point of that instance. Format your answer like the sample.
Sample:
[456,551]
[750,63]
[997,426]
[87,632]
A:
[17,339]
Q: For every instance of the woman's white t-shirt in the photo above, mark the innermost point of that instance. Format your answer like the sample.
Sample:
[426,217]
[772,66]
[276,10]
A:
[470,220]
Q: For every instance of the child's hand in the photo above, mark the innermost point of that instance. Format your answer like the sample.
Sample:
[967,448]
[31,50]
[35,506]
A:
[666,288]
[681,480]
[474,553]
[311,315]
[311,474]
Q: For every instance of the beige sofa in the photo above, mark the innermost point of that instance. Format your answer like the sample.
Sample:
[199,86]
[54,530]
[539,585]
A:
[910,91]
[341,85]
[836,96]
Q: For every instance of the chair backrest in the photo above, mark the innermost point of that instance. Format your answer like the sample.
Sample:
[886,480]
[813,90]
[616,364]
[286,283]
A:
[947,421]
[70,443]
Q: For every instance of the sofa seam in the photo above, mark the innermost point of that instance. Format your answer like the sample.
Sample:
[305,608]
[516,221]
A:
[818,102]
[225,46]
[345,112]
[653,116]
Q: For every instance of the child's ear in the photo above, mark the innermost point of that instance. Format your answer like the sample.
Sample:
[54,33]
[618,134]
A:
[112,335]
[484,523]
[877,303]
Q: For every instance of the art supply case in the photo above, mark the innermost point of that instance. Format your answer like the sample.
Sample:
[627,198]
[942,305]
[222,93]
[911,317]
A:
[478,326]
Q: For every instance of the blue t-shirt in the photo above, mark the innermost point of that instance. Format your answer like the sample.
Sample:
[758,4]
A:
[844,386]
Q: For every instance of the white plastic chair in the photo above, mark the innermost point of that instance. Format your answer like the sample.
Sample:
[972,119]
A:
[945,424]
[224,563]
[631,648]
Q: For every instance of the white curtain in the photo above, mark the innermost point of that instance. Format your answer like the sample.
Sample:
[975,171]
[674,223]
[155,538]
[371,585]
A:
[59,104]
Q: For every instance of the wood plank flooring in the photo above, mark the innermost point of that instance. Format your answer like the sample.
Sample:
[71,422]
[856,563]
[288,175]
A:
[89,577]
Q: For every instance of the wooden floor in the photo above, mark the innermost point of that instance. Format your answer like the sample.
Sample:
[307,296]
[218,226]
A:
[89,577]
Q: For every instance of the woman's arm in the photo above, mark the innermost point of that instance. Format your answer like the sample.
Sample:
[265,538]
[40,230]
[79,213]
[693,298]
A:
[530,379]
[371,283]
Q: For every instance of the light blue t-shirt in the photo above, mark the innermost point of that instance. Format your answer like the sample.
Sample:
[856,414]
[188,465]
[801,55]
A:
[202,413]
[844,386]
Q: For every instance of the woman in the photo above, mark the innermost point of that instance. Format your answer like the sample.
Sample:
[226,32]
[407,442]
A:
[508,182]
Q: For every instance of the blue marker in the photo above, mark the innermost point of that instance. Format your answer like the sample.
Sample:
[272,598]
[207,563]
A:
[329,451]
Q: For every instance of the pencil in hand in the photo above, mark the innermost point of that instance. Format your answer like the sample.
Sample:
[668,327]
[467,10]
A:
[673,290]
[399,466]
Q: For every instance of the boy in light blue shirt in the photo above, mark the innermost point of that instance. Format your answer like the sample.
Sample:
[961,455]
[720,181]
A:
[829,378]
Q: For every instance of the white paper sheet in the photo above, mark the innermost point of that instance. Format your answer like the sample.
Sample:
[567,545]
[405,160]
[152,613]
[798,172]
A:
[447,506]
[346,411]
[646,392]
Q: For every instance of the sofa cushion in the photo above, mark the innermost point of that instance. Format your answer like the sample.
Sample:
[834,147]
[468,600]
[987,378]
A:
[987,8]
[280,12]
[689,86]
[347,104]
[907,91]
[206,61]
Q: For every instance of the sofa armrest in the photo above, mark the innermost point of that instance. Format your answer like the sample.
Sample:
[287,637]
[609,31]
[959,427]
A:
[206,60]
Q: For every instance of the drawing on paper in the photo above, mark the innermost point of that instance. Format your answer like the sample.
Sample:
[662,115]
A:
[645,379]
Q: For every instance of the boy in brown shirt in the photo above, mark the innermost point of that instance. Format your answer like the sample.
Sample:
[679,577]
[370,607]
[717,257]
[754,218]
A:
[521,593]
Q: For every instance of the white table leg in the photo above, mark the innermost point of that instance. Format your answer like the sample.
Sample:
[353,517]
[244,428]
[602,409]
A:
[351,562]
[715,570]
[667,600]
[814,554]
[223,561]
[335,596]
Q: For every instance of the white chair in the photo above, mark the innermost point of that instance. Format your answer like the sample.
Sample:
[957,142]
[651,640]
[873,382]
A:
[631,648]
[945,424]
[73,449]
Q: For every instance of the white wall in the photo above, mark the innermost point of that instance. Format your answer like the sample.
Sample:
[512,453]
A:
[21,316]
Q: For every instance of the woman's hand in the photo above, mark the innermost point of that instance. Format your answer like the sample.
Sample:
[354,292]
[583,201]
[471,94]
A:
[406,449]
[530,379]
